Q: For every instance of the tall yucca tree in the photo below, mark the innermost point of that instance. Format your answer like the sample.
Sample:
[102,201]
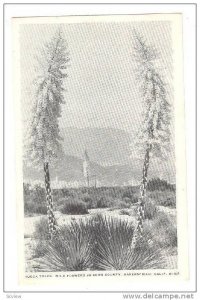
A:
[45,140]
[154,136]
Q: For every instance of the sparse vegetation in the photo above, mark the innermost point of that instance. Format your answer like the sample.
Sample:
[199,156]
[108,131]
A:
[102,197]
[101,241]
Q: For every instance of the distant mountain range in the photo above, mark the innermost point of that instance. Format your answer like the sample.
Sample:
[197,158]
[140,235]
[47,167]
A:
[105,146]
[109,153]
[70,169]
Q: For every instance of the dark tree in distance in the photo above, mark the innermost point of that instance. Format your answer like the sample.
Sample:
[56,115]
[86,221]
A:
[45,140]
[154,136]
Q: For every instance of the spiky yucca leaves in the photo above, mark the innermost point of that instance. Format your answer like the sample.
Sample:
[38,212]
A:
[100,243]
[113,247]
[72,251]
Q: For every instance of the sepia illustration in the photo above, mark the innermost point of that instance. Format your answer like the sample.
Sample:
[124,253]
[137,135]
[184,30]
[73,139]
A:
[99,163]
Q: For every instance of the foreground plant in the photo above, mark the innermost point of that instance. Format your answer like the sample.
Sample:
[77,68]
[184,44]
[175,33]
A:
[72,251]
[113,247]
[100,243]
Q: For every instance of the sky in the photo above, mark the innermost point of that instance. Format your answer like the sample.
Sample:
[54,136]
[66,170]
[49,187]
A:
[102,90]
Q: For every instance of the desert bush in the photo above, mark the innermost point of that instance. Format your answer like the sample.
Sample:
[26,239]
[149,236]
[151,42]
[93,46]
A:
[59,202]
[34,206]
[125,212]
[26,188]
[120,204]
[130,201]
[169,201]
[90,203]
[74,207]
[40,249]
[135,199]
[104,202]
[66,193]
[127,194]
[150,210]
[157,184]
[34,200]
[163,198]
[41,229]
[163,230]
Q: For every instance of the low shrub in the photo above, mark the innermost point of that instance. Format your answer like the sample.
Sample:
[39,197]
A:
[130,197]
[41,229]
[163,230]
[120,204]
[150,210]
[168,202]
[59,203]
[40,249]
[125,212]
[128,201]
[89,202]
[127,194]
[104,202]
[163,198]
[74,207]
[33,206]
[34,200]
[156,184]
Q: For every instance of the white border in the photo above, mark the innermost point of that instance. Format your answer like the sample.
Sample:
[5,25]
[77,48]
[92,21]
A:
[189,75]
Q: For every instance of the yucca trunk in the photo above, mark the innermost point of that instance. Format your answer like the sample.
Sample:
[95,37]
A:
[49,201]
[143,187]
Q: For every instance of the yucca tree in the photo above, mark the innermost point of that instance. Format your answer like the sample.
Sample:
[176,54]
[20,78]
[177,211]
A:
[86,167]
[154,136]
[45,140]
